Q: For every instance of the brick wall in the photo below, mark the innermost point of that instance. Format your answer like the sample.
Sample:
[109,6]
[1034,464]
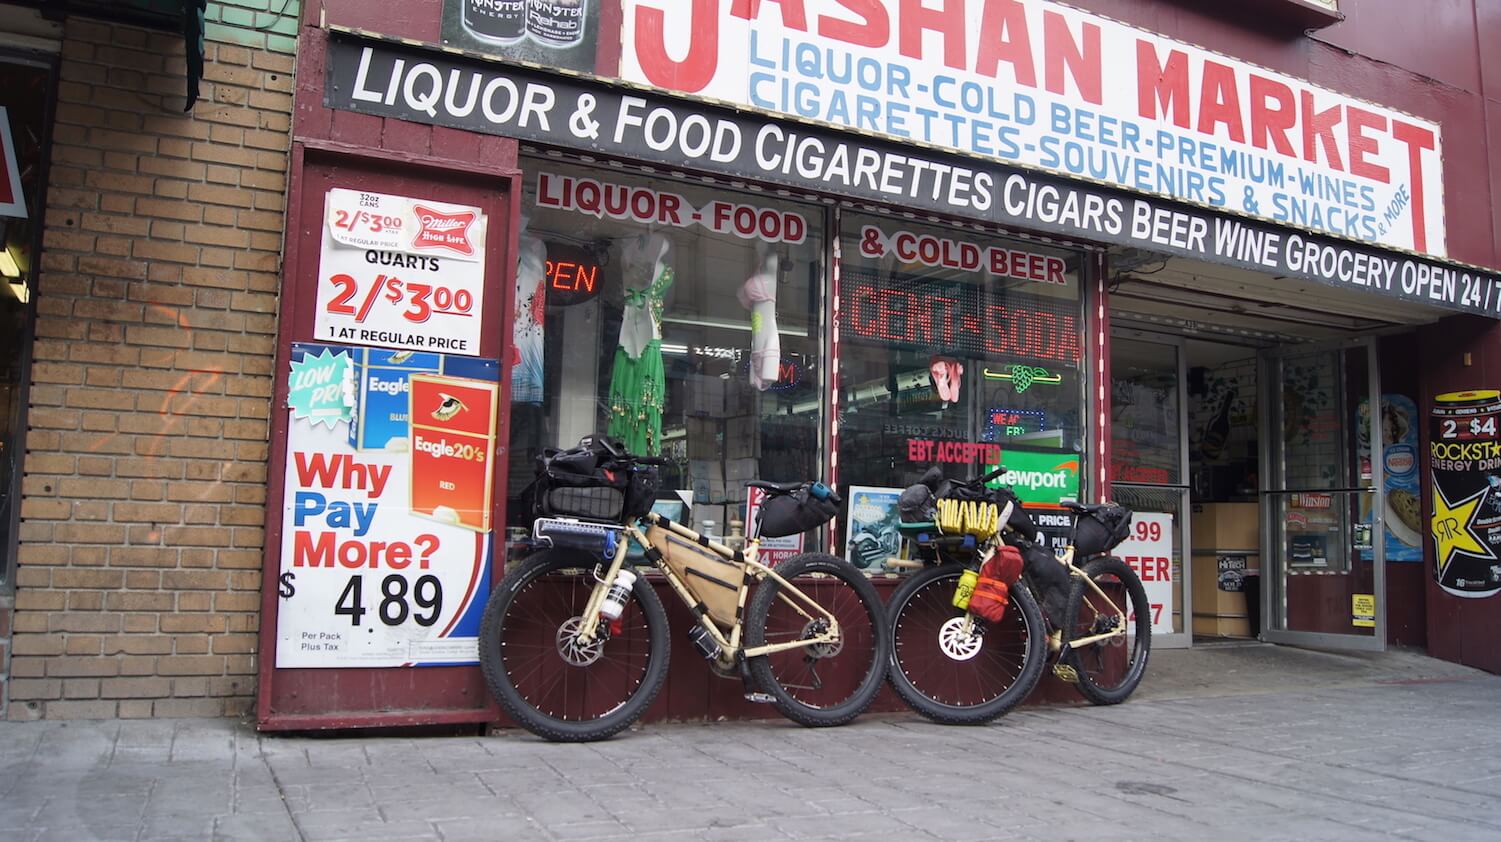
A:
[138,581]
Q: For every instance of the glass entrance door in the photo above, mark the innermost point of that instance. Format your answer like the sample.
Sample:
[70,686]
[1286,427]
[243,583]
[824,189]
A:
[1148,460]
[1321,497]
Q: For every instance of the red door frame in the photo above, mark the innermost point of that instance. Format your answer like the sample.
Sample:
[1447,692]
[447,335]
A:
[299,699]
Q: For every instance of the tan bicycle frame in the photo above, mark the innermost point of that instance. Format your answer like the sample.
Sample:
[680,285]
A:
[729,645]
[1074,570]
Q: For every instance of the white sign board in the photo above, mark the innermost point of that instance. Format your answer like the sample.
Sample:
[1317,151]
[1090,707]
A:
[398,272]
[1043,85]
[1149,551]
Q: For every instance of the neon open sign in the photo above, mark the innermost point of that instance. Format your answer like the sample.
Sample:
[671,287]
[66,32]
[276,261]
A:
[963,319]
[572,275]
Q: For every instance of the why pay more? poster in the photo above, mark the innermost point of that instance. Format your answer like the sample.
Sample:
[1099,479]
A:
[386,537]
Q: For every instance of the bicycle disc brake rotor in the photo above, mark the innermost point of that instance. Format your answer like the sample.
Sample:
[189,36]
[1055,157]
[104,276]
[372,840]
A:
[814,628]
[958,644]
[574,652]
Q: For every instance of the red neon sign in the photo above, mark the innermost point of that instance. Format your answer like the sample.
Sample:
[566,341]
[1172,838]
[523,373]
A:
[959,318]
[572,275]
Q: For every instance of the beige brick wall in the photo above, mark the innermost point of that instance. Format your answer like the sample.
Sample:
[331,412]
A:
[137,589]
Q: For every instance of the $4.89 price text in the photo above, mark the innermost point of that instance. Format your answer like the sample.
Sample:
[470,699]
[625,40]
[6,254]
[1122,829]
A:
[422,600]
[423,300]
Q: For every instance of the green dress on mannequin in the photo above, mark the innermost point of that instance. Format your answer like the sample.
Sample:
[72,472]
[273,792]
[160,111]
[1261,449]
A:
[638,380]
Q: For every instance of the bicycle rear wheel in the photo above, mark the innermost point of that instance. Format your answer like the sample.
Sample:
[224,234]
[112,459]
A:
[956,677]
[824,683]
[540,674]
[1108,670]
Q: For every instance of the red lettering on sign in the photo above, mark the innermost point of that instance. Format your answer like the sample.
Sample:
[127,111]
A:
[1084,62]
[947,21]
[874,30]
[1272,124]
[1417,139]
[1161,84]
[1003,37]
[1318,127]
[697,68]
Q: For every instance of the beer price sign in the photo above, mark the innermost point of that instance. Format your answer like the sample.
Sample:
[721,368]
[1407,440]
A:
[401,272]
[386,544]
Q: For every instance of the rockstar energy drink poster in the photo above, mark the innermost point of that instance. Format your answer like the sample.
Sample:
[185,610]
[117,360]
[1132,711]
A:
[1465,462]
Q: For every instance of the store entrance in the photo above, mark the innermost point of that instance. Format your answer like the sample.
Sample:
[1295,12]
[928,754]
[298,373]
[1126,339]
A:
[1322,496]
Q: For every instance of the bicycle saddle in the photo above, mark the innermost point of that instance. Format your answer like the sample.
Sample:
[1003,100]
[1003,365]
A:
[774,487]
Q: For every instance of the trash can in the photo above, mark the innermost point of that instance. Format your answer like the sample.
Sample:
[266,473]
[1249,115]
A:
[1253,602]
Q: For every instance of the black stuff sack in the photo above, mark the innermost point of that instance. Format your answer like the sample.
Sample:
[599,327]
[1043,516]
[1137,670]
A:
[1101,528]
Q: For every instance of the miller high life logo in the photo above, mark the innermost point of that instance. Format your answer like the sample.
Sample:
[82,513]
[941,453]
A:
[443,230]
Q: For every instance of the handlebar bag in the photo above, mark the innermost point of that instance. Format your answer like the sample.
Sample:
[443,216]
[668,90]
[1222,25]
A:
[587,481]
[795,513]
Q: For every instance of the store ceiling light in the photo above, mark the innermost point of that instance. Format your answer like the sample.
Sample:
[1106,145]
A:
[8,266]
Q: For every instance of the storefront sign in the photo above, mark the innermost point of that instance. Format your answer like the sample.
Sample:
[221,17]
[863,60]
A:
[931,451]
[962,255]
[1045,85]
[385,553]
[954,317]
[1039,478]
[428,86]
[663,208]
[1149,551]
[401,273]
[1466,467]
[1403,515]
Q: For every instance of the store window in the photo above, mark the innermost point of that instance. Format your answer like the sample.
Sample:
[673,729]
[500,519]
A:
[961,349]
[680,317]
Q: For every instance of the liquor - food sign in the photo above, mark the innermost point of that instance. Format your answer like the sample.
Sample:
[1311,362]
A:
[1044,85]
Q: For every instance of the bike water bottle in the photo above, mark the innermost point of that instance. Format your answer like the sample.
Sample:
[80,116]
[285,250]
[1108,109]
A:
[614,604]
[966,589]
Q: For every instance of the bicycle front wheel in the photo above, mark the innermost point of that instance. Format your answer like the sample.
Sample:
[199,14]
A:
[956,672]
[1108,669]
[822,683]
[547,680]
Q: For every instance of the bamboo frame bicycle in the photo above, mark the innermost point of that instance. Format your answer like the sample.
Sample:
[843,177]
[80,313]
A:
[977,671]
[810,636]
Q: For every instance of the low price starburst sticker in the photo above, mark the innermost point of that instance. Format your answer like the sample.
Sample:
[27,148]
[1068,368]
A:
[321,388]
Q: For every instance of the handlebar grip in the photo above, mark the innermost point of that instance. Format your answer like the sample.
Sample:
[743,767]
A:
[998,472]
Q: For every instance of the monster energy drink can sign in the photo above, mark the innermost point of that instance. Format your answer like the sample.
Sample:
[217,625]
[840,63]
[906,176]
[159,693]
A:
[498,21]
[558,23]
[1465,462]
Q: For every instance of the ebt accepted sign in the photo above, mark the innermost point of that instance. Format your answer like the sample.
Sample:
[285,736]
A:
[1044,85]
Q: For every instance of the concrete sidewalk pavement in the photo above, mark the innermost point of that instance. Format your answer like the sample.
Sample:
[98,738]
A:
[1372,750]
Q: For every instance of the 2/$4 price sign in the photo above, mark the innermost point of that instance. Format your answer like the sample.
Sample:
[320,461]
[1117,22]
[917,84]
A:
[399,272]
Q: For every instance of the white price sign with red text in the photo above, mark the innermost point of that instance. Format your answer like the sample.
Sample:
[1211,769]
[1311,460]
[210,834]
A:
[1149,551]
[399,272]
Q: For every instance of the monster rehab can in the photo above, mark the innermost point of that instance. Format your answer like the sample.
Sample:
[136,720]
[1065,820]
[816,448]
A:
[558,23]
[1465,461]
[497,21]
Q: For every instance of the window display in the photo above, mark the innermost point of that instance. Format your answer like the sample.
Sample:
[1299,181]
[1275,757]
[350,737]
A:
[957,349]
[680,317]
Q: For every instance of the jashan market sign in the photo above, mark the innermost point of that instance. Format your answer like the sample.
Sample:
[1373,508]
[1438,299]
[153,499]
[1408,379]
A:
[1043,85]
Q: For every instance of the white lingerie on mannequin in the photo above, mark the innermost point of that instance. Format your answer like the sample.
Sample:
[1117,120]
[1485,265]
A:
[759,295]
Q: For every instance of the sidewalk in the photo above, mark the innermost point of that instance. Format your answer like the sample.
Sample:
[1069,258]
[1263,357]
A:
[1239,742]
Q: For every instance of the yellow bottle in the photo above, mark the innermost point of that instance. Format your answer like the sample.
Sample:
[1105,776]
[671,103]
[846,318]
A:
[966,589]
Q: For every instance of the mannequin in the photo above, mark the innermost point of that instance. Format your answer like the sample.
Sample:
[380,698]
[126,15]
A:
[638,380]
[527,334]
[759,295]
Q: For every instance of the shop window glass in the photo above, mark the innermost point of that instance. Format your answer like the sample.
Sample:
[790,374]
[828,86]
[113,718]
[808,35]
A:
[959,349]
[680,317]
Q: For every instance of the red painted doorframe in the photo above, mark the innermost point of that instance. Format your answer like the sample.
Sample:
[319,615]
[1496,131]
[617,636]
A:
[298,699]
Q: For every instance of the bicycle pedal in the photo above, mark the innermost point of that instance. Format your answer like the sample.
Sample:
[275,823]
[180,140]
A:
[1066,672]
[760,698]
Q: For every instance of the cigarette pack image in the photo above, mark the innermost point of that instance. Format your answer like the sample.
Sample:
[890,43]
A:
[380,394]
[453,448]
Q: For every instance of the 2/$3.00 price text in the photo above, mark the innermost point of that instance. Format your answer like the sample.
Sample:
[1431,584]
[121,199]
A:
[423,300]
